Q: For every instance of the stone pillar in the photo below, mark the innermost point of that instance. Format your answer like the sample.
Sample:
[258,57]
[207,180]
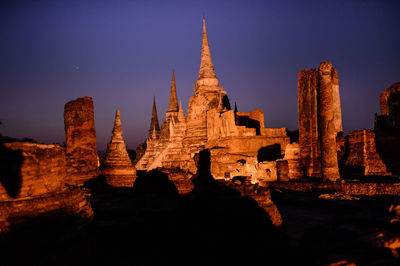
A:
[309,143]
[80,136]
[337,109]
[327,130]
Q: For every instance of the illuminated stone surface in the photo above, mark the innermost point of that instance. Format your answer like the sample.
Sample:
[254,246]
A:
[117,166]
[327,125]
[363,158]
[31,170]
[33,178]
[80,136]
[319,121]
[233,138]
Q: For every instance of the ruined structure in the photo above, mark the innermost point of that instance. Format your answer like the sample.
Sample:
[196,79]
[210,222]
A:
[320,121]
[80,136]
[387,128]
[389,102]
[292,156]
[117,167]
[33,178]
[234,138]
[363,158]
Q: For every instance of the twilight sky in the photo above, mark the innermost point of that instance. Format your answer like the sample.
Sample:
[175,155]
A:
[122,53]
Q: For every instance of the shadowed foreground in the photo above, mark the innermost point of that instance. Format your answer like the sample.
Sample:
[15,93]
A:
[152,225]
[213,225]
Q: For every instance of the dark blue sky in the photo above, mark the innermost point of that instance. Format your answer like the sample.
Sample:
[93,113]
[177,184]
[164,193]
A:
[121,53]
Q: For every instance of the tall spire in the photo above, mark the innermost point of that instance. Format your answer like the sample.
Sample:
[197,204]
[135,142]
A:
[173,99]
[207,74]
[154,119]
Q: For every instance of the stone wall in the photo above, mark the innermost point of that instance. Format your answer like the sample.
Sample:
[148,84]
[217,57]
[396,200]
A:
[388,147]
[292,156]
[33,178]
[80,136]
[368,189]
[68,202]
[30,170]
[253,119]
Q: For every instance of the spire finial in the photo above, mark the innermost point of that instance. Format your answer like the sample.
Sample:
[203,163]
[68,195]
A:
[117,130]
[173,98]
[154,119]
[181,115]
[207,74]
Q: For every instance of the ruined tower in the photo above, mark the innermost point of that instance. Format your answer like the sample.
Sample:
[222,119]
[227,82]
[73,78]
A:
[80,137]
[319,121]
[117,167]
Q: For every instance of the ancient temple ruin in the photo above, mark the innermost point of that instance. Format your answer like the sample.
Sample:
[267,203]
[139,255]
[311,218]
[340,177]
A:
[235,139]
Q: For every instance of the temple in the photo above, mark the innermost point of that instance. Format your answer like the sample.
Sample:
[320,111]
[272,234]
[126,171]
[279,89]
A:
[239,143]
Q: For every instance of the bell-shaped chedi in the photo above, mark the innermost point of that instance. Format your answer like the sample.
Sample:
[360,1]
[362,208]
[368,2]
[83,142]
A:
[117,167]
[207,96]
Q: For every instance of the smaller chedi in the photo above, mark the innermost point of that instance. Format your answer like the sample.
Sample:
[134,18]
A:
[117,167]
